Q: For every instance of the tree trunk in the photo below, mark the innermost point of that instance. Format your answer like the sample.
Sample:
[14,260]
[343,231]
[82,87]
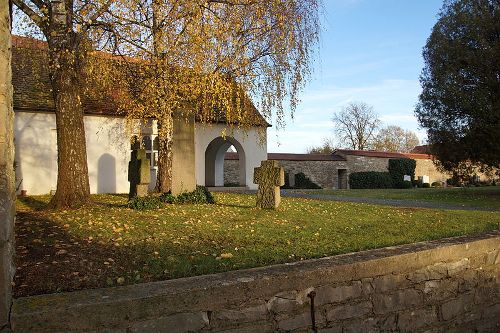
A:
[65,56]
[165,140]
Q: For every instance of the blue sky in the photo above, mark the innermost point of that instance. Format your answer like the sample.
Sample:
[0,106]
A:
[370,51]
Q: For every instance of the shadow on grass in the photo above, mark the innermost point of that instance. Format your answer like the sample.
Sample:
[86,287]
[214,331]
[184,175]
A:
[33,202]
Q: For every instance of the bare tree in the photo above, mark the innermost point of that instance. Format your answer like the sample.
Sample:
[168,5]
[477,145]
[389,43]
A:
[356,125]
[396,139]
[328,147]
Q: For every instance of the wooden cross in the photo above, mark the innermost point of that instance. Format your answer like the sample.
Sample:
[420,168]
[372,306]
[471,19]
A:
[269,176]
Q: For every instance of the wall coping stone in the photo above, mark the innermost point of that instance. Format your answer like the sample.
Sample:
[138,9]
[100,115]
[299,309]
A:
[234,288]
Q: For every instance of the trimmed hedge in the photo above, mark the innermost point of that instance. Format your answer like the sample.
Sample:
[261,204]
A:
[398,168]
[370,179]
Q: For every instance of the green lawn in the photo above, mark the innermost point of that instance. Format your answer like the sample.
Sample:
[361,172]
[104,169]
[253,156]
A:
[108,244]
[484,197]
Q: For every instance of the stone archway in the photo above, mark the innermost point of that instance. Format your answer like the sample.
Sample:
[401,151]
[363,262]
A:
[214,161]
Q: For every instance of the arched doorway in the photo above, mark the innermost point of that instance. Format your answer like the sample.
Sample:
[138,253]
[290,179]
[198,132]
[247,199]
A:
[214,161]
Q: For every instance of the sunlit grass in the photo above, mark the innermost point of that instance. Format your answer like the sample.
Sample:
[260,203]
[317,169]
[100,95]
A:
[108,244]
[483,197]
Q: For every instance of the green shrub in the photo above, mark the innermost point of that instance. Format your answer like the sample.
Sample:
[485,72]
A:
[426,185]
[302,181]
[143,203]
[199,196]
[407,184]
[370,179]
[436,184]
[399,167]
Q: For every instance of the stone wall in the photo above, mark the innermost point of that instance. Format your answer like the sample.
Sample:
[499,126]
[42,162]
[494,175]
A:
[7,191]
[447,285]
[231,171]
[323,173]
[366,163]
[427,167]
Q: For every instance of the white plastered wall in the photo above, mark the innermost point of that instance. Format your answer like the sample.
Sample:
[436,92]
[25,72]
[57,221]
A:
[108,149]
[250,141]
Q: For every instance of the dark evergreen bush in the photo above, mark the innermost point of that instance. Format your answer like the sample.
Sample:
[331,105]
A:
[302,181]
[399,167]
[370,179]
[199,196]
[143,203]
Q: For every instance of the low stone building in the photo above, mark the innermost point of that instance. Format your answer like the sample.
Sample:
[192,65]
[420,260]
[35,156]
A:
[332,170]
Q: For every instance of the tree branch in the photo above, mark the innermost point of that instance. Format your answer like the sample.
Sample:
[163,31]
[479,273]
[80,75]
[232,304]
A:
[37,19]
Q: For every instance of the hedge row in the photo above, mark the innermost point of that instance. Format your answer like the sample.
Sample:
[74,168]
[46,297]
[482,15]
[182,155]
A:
[398,168]
[370,179]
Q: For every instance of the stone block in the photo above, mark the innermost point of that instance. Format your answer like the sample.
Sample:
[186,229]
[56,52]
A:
[468,280]
[301,321]
[337,328]
[439,290]
[387,323]
[487,293]
[142,190]
[410,321]
[330,294]
[493,257]
[434,272]
[176,323]
[254,327]
[456,306]
[284,302]
[390,282]
[367,286]
[235,317]
[183,156]
[399,300]
[368,325]
[353,310]
[458,266]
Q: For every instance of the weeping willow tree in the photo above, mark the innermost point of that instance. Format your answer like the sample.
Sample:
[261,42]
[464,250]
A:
[208,60]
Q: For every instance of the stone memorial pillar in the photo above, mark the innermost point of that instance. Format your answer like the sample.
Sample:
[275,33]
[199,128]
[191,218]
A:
[7,187]
[139,174]
[269,176]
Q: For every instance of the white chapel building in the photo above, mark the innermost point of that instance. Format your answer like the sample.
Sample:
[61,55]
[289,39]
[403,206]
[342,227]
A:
[108,137]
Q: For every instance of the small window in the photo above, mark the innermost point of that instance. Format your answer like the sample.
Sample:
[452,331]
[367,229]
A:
[156,143]
[146,142]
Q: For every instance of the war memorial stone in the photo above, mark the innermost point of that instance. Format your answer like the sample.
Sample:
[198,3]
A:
[269,176]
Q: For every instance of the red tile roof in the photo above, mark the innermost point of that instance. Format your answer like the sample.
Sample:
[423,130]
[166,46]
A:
[381,154]
[32,87]
[292,157]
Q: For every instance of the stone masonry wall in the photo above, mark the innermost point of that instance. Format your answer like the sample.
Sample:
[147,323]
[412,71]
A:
[323,173]
[427,167]
[448,285]
[231,172]
[7,192]
[365,163]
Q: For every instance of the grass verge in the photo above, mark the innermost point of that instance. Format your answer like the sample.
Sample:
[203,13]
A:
[484,197]
[108,244]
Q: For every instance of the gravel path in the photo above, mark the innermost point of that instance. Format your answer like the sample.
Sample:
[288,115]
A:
[386,202]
